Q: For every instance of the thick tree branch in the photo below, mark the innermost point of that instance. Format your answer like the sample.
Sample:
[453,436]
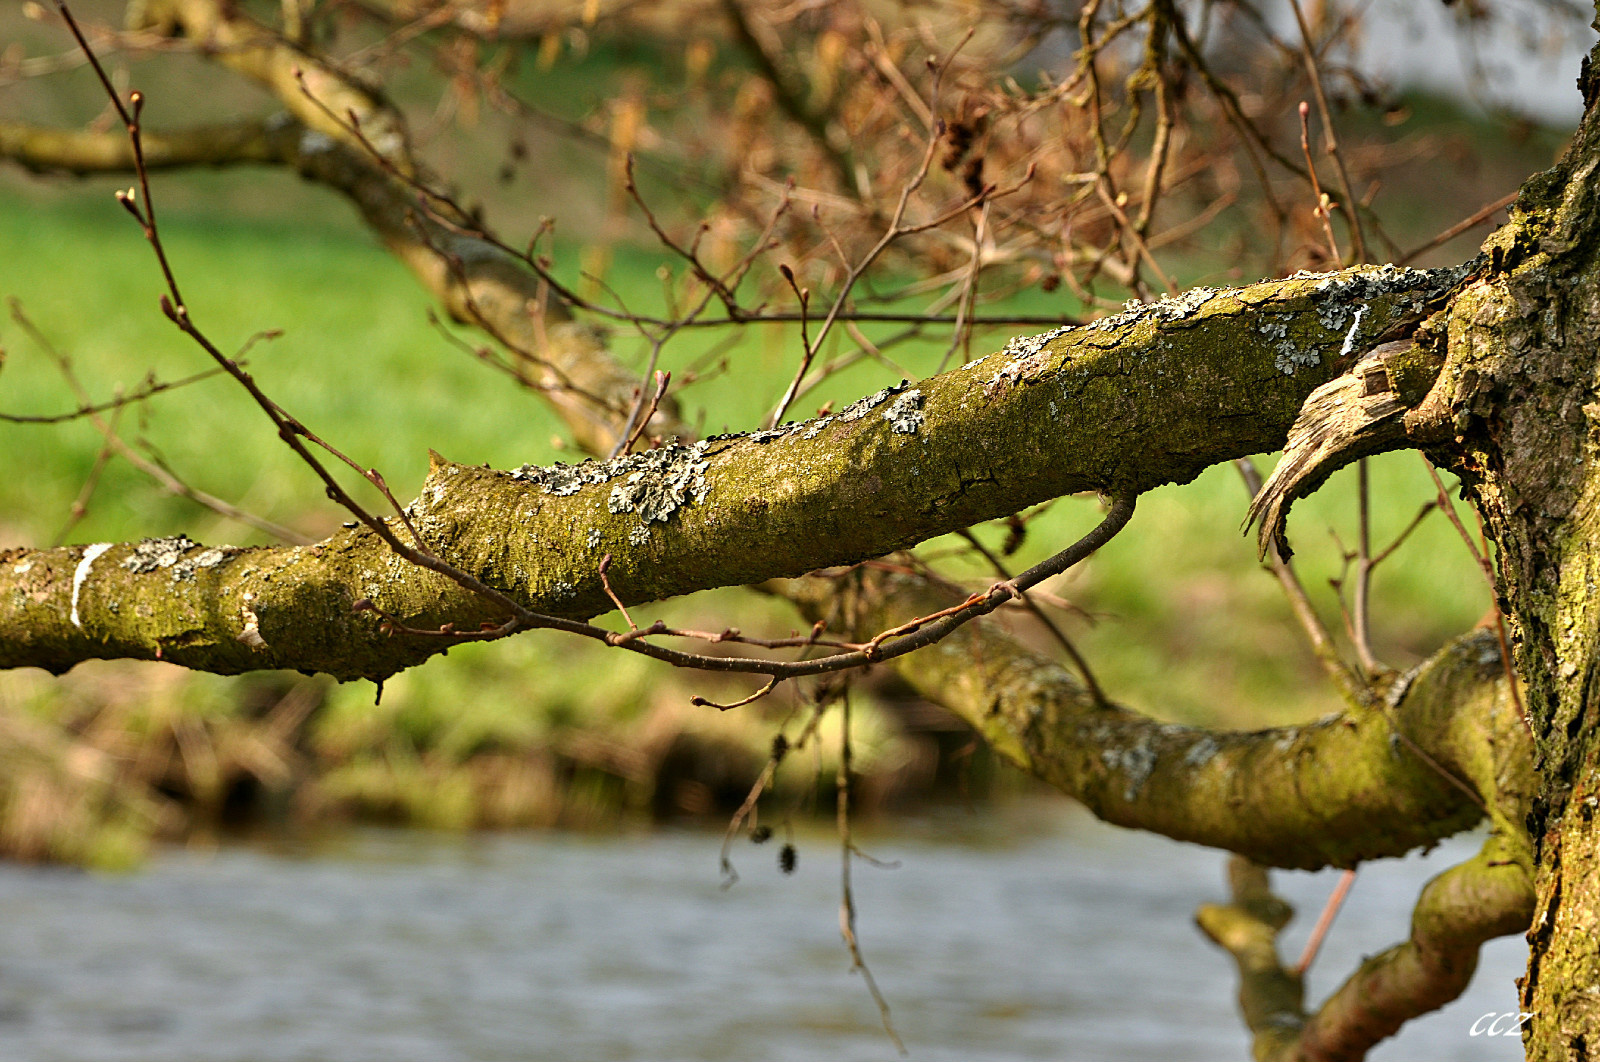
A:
[322,96]
[1375,781]
[1084,409]
[80,152]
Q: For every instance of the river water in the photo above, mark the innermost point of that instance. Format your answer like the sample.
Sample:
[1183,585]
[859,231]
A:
[1026,934]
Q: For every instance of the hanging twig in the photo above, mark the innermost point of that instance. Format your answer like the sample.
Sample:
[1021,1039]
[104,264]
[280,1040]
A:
[847,900]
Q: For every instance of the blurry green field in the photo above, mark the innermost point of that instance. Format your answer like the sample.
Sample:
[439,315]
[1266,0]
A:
[1190,627]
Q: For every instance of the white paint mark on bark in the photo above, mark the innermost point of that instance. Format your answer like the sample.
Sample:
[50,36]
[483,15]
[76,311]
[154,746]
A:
[89,554]
[1350,337]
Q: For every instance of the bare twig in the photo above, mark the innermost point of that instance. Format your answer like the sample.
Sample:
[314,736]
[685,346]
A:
[80,504]
[1478,217]
[1323,204]
[1322,644]
[1050,625]
[1361,618]
[605,563]
[154,469]
[1348,204]
[1319,932]
[701,702]
[781,747]
[847,901]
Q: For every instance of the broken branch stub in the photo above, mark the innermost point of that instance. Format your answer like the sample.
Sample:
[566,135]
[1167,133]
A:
[1358,414]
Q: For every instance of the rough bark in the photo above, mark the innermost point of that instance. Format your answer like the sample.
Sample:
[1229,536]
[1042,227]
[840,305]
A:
[1518,401]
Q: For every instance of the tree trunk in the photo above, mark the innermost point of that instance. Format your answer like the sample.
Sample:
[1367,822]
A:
[1523,416]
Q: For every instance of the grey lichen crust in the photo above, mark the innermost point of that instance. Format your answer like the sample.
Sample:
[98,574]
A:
[810,429]
[153,554]
[862,406]
[663,480]
[1171,308]
[1342,298]
[656,483]
[905,413]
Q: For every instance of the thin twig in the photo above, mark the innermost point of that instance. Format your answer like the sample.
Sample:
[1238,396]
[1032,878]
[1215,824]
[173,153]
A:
[154,469]
[781,747]
[1322,644]
[1050,625]
[1477,218]
[1322,201]
[80,504]
[1362,617]
[847,901]
[701,702]
[605,562]
[1330,911]
[1400,539]
[1351,215]
[640,419]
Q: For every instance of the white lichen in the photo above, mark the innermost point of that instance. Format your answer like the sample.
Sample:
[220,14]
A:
[153,553]
[668,478]
[173,553]
[1202,752]
[1020,348]
[656,483]
[862,406]
[816,428]
[250,634]
[905,413]
[1172,308]
[563,480]
[315,143]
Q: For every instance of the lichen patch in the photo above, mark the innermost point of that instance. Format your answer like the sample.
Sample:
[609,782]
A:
[175,553]
[656,483]
[862,406]
[562,480]
[1023,357]
[155,553]
[905,413]
[1136,763]
[667,479]
[1172,308]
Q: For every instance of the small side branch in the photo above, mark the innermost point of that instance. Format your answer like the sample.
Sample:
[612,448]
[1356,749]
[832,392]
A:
[1459,911]
[1271,996]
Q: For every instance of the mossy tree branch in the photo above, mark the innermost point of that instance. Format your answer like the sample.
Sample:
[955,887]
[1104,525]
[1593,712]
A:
[1085,409]
[1378,780]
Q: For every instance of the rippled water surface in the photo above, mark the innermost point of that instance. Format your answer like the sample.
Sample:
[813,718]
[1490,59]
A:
[998,937]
